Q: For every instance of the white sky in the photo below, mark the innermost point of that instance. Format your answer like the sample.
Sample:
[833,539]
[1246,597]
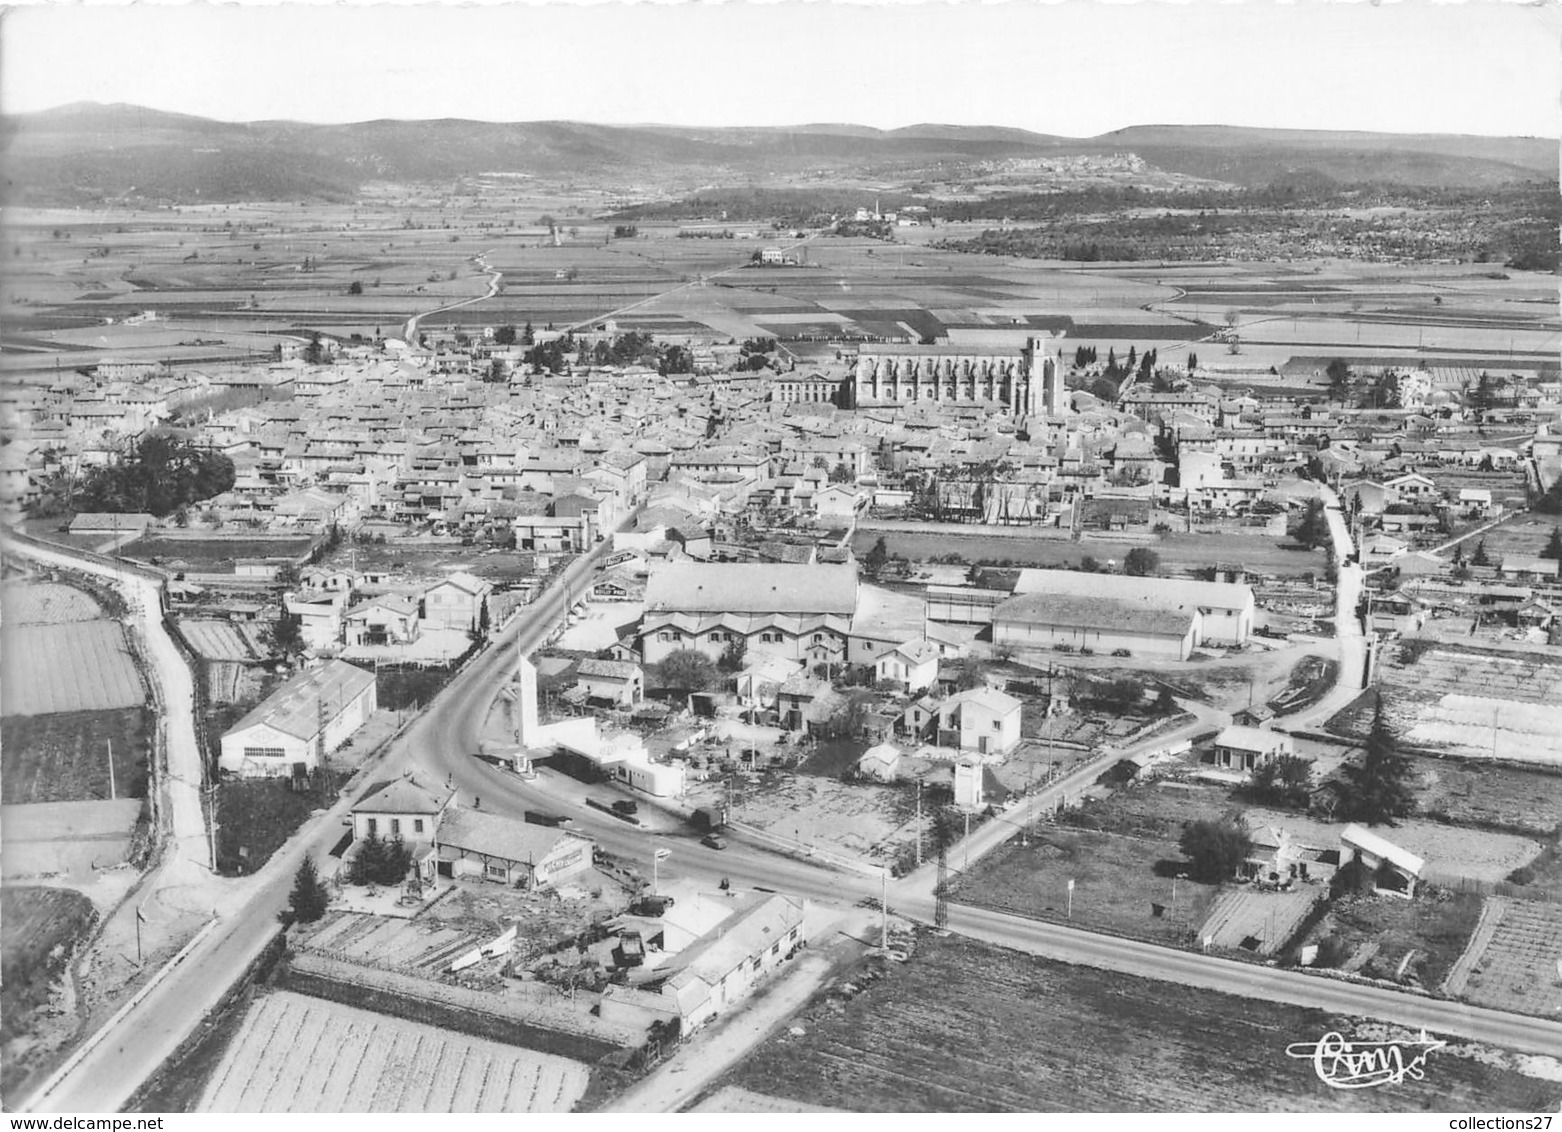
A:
[1075,67]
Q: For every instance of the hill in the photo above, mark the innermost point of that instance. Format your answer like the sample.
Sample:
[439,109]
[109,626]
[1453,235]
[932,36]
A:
[90,152]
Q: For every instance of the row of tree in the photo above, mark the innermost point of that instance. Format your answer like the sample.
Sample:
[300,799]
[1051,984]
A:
[158,476]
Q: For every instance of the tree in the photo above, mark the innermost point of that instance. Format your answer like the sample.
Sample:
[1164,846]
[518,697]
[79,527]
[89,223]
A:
[504,336]
[731,659]
[1312,528]
[1216,848]
[287,634]
[1553,544]
[1121,695]
[1550,501]
[877,556]
[1338,373]
[686,670]
[314,353]
[496,374]
[1142,562]
[841,474]
[1480,557]
[969,673]
[1193,362]
[309,896]
[355,287]
[1285,780]
[1377,788]
[369,862]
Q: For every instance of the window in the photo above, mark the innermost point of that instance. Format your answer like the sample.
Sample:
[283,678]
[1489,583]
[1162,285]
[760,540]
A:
[664,636]
[417,825]
[497,872]
[264,753]
[395,827]
[374,826]
[997,725]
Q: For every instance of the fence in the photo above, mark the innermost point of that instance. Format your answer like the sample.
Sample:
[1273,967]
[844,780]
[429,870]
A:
[1454,882]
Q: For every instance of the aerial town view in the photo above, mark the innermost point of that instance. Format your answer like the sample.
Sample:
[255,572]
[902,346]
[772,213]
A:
[505,611]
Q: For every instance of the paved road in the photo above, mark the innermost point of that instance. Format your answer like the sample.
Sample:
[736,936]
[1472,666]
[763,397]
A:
[409,332]
[1348,635]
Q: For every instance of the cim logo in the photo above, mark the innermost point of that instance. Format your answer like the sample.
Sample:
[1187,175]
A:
[1342,1064]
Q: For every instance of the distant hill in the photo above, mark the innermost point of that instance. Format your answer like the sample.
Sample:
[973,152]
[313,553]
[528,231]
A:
[91,152]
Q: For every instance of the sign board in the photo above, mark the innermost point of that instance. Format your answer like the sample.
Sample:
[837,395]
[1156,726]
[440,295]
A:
[663,854]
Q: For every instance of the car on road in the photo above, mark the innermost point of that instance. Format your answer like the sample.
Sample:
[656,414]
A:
[713,841]
[624,807]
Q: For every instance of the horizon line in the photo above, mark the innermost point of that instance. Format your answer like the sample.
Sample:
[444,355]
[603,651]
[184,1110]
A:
[780,127]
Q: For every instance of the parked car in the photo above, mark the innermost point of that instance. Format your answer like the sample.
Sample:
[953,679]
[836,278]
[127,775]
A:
[713,841]
[626,807]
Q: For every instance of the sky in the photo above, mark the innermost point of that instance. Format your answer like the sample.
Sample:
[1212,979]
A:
[1073,67]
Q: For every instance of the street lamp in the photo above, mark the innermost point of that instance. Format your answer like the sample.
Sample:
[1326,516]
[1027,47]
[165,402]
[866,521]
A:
[657,857]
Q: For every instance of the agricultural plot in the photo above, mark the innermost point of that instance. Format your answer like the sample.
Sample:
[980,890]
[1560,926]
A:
[46,603]
[1479,794]
[77,666]
[1511,963]
[969,1027]
[69,839]
[64,756]
[299,1054]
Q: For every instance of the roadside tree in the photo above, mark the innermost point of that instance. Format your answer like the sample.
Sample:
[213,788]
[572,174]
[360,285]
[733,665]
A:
[1312,528]
[1378,787]
[309,896]
[1142,562]
[1215,848]
[686,670]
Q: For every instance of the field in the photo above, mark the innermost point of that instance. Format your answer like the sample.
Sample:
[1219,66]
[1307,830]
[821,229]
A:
[209,553]
[34,922]
[1119,884]
[1522,534]
[77,666]
[969,1027]
[47,603]
[63,756]
[1479,794]
[299,1054]
[1261,554]
[1512,961]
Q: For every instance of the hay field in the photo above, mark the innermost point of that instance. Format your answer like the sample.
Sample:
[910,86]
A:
[294,1053]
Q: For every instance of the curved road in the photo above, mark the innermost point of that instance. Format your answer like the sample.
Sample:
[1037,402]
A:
[410,330]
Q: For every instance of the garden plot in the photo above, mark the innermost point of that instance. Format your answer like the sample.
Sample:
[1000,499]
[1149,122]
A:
[64,756]
[1261,922]
[1512,961]
[78,666]
[299,1054]
[74,839]
[1476,793]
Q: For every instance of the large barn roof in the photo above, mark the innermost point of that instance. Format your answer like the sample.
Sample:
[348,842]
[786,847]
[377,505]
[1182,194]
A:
[1107,614]
[1165,593]
[745,587]
[305,701]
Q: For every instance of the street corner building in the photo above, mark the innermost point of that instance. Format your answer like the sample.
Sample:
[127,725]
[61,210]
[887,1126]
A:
[471,843]
[309,716]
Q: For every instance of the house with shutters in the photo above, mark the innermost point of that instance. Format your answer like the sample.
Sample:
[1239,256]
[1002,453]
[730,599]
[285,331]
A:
[983,720]
[456,602]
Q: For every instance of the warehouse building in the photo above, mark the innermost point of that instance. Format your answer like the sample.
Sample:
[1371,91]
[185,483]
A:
[1100,624]
[1221,612]
[312,714]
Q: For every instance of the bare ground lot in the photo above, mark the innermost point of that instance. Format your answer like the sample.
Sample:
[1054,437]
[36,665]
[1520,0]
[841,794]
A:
[1480,794]
[969,1027]
[64,756]
[215,552]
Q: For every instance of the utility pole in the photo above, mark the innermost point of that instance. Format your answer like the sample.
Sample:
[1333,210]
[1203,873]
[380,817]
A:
[919,823]
[113,794]
[884,908]
[211,823]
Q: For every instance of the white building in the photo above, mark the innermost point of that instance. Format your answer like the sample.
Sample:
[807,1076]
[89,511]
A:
[312,714]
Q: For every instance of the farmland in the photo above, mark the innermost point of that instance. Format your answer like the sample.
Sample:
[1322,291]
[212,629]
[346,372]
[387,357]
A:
[969,1027]
[1479,794]
[63,756]
[1511,964]
[1373,935]
[47,603]
[299,1054]
[212,553]
[38,929]
[76,666]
